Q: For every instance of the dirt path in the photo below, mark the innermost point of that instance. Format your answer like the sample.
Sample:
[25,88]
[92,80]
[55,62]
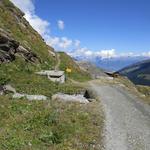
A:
[127,123]
[58,61]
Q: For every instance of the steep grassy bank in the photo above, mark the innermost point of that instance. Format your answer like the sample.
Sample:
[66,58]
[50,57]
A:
[12,21]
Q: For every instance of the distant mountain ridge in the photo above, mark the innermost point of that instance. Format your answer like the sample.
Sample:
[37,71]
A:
[138,73]
[94,71]
[113,63]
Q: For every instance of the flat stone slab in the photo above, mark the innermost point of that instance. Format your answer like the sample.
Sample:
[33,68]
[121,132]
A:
[70,98]
[29,97]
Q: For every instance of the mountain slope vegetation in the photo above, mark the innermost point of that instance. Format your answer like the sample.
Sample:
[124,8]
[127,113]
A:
[20,71]
[138,73]
[37,124]
[94,71]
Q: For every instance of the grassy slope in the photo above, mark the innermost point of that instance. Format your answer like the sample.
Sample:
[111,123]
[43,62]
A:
[19,73]
[146,91]
[49,124]
[11,20]
[138,73]
[76,74]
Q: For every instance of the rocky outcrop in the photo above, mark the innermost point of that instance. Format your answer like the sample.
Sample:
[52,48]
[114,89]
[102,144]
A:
[70,98]
[9,48]
[7,89]
[27,54]
[94,71]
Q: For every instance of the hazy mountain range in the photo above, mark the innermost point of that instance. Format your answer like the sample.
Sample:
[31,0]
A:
[113,63]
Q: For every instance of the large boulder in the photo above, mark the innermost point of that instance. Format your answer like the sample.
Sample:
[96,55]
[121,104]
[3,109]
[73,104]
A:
[70,98]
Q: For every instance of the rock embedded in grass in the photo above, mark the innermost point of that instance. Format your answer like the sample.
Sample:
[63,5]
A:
[70,98]
[29,97]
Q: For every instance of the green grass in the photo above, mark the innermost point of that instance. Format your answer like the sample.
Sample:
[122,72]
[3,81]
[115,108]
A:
[49,125]
[22,77]
[146,91]
[20,74]
[77,73]
[9,16]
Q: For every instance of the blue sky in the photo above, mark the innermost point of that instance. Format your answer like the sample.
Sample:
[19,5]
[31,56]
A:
[93,26]
[101,24]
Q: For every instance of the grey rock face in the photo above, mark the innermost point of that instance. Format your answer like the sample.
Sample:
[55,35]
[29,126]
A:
[9,48]
[9,88]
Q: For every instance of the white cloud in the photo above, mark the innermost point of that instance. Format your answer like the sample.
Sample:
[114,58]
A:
[78,52]
[65,42]
[25,5]
[146,54]
[40,25]
[61,24]
[106,53]
[53,41]
[62,42]
[89,53]
[77,43]
[43,26]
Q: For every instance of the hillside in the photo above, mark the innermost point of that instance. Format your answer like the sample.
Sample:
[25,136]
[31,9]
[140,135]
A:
[94,71]
[46,124]
[23,52]
[138,73]
[47,101]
